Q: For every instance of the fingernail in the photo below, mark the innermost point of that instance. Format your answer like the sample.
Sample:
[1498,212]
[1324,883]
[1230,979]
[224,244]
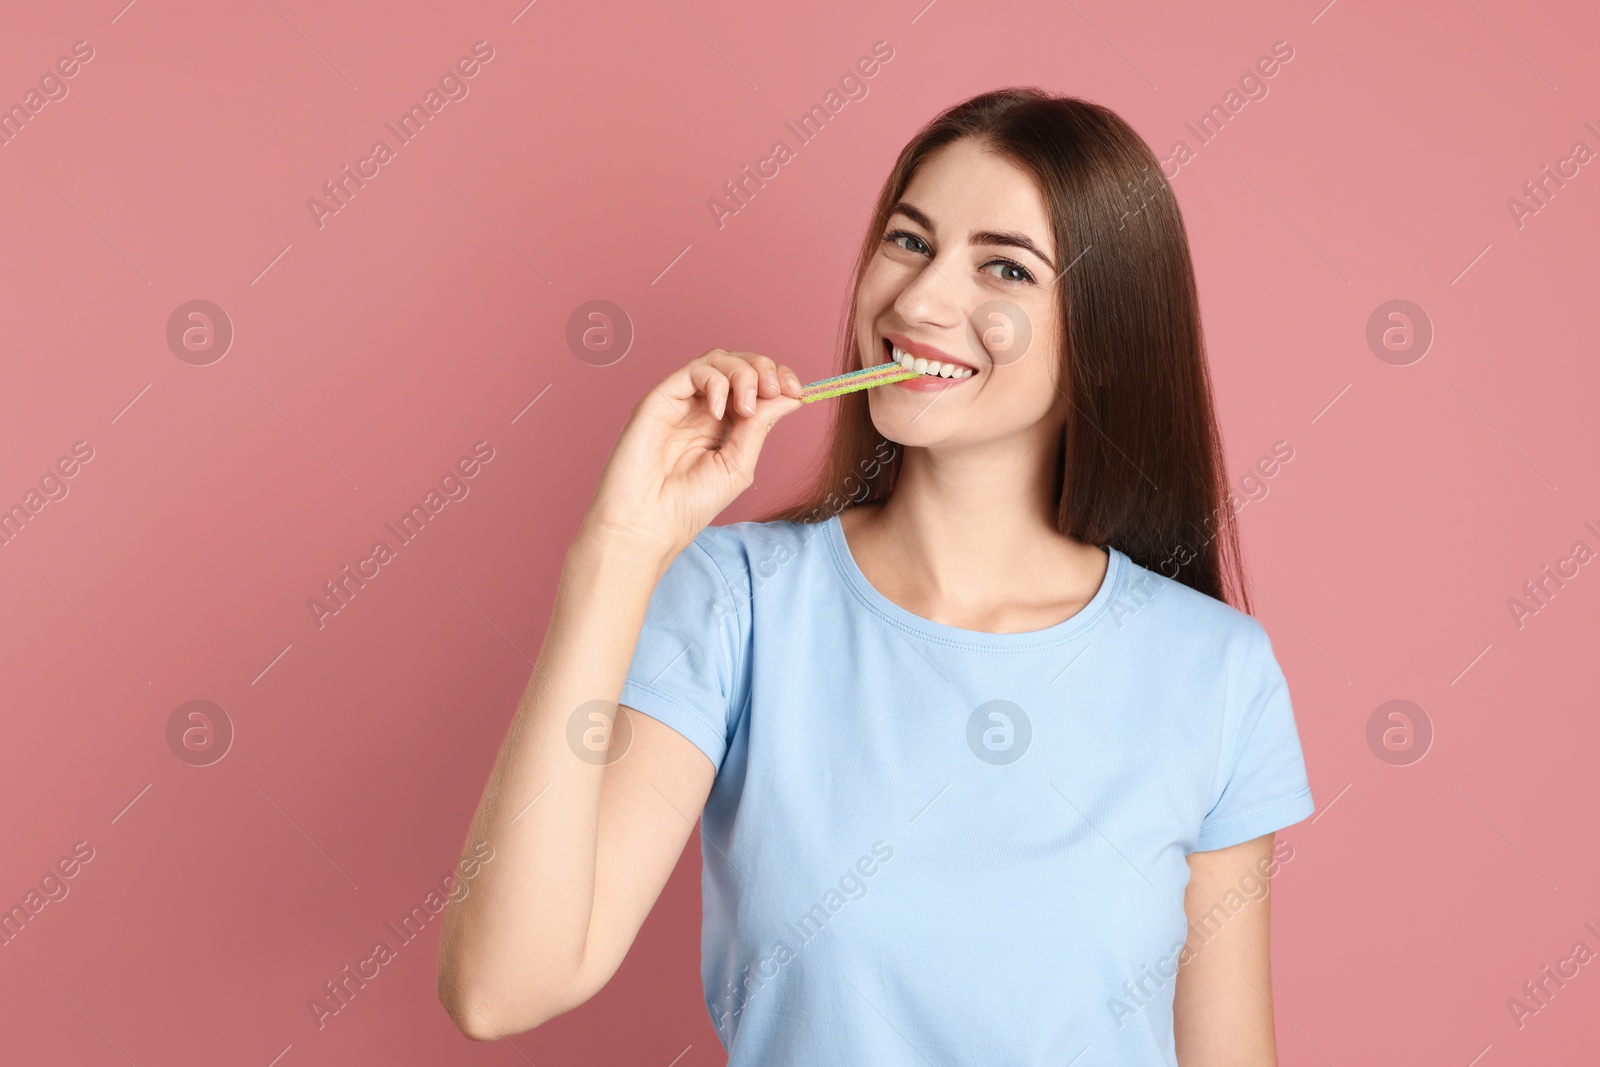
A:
[750,400]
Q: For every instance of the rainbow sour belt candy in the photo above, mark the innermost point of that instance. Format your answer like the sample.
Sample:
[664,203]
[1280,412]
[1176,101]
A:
[865,378]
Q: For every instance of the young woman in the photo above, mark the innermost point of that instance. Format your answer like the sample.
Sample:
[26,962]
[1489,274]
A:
[987,768]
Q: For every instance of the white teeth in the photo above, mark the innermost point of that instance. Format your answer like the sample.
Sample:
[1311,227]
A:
[931,367]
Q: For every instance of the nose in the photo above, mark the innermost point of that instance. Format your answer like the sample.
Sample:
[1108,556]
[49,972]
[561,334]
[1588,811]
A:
[932,297]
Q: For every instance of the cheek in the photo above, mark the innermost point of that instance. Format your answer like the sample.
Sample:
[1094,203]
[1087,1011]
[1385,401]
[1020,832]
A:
[876,296]
[1039,369]
[1024,393]
[869,353]
[872,300]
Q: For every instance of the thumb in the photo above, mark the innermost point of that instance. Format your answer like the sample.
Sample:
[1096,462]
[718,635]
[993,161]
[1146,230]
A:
[748,434]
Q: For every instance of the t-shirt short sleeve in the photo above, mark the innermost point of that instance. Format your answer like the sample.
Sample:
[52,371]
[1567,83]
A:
[1261,783]
[690,669]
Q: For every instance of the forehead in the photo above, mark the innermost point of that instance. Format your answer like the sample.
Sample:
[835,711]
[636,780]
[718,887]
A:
[964,187]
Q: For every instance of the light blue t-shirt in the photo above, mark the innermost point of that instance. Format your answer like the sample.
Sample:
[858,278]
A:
[929,845]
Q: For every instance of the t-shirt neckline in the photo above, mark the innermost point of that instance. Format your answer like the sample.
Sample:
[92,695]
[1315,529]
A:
[941,633]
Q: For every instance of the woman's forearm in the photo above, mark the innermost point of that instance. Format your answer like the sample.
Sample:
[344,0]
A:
[513,944]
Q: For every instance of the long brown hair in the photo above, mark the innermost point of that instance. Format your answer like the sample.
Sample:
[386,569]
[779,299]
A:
[1141,464]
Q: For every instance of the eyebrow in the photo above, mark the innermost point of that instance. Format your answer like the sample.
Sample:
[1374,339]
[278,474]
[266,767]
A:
[1009,238]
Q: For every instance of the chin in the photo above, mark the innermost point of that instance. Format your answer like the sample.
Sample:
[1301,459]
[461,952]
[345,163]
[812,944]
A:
[897,419]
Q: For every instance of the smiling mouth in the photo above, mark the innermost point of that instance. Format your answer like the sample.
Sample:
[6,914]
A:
[925,367]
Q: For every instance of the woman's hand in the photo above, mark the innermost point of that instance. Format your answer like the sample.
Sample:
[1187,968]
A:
[689,448]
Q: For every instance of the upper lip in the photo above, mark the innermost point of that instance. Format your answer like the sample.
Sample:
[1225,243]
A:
[928,352]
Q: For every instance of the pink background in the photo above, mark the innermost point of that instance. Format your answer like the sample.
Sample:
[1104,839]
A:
[427,314]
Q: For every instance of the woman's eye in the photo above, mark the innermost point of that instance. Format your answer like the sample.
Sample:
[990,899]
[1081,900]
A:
[918,247]
[1022,274]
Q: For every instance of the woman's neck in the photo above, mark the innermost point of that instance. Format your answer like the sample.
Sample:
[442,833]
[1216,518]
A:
[972,541]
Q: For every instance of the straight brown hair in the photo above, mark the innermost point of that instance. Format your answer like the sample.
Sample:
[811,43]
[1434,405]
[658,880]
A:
[1141,463]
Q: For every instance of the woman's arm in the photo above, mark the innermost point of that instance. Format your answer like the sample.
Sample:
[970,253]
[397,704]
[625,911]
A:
[1222,1011]
[543,927]
[581,851]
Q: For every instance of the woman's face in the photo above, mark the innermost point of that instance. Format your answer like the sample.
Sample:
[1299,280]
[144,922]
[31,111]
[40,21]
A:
[965,273]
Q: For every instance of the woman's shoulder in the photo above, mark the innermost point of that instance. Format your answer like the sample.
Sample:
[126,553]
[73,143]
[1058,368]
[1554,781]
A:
[755,540]
[1180,611]
[749,553]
